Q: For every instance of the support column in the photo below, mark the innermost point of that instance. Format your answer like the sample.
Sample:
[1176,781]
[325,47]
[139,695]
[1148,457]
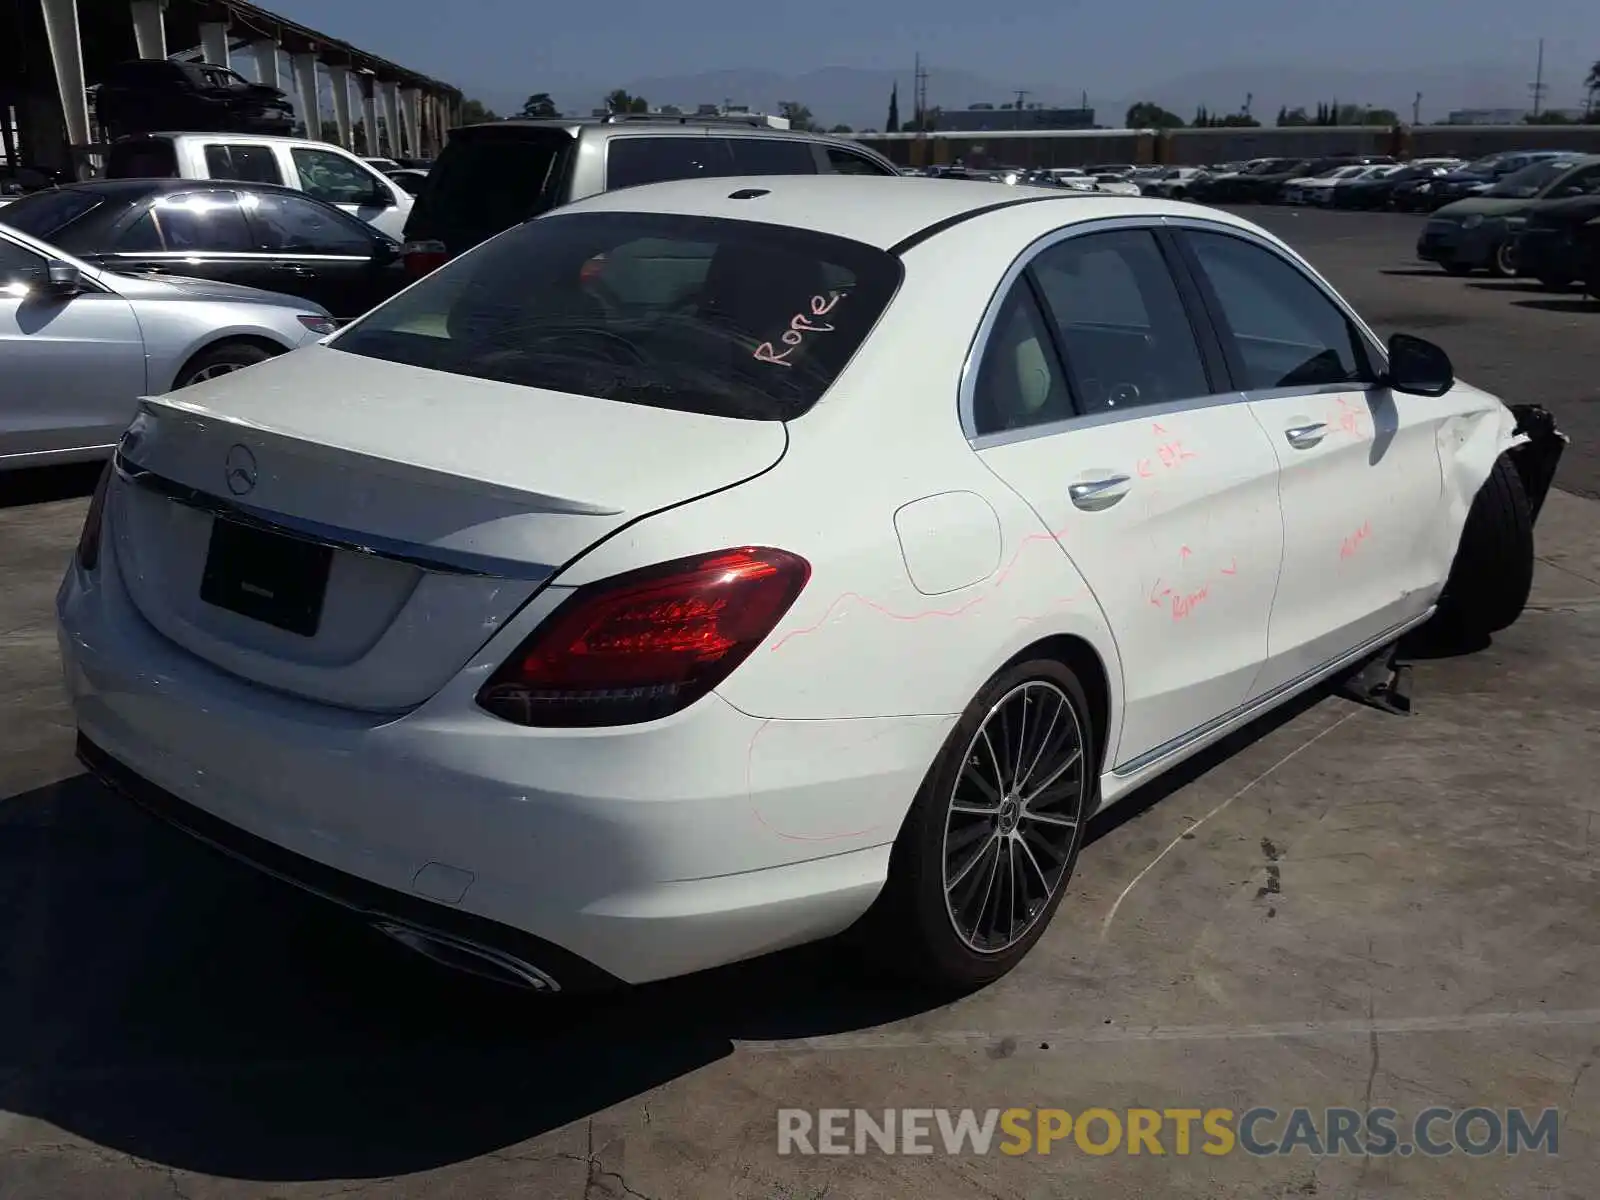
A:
[266,56]
[369,117]
[214,42]
[339,77]
[409,104]
[391,117]
[150,28]
[310,95]
[66,56]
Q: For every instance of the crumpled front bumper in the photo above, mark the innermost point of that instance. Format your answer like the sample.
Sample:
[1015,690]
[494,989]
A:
[1537,457]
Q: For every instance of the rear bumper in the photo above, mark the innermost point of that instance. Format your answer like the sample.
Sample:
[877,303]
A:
[635,854]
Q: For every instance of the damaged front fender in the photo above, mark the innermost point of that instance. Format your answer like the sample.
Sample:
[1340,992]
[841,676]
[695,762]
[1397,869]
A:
[1535,451]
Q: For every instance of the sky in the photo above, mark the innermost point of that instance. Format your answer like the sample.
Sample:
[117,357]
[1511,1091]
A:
[508,46]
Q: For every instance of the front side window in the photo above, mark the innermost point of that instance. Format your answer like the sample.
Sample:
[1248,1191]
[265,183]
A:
[247,164]
[199,222]
[295,225]
[1285,331]
[708,315]
[1123,328]
[332,178]
[20,269]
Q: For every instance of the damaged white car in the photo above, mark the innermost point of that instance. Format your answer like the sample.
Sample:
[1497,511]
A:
[707,567]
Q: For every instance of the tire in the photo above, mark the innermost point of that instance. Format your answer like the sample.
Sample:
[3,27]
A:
[1456,268]
[1493,569]
[1503,260]
[913,928]
[222,359]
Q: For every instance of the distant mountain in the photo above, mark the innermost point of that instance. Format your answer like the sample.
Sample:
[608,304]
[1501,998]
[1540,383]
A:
[860,97]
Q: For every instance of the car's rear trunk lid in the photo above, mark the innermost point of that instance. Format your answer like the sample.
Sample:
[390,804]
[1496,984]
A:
[432,505]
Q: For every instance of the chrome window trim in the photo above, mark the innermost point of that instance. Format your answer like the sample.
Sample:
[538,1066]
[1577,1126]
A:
[432,559]
[231,255]
[980,343]
[1375,348]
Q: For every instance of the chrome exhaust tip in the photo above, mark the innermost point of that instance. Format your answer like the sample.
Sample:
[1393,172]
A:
[469,957]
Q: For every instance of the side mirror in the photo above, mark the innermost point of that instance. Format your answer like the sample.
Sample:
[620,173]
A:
[386,252]
[1418,367]
[380,197]
[62,279]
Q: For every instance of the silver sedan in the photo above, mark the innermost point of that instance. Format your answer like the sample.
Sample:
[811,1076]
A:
[78,347]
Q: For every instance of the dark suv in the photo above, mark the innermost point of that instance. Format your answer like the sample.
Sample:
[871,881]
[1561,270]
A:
[146,95]
[496,175]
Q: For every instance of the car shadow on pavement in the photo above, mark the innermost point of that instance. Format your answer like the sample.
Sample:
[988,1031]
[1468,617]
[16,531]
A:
[169,1003]
[42,485]
[1527,287]
[1432,271]
[1570,305]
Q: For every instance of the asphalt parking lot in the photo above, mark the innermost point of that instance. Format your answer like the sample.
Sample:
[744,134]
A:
[1342,908]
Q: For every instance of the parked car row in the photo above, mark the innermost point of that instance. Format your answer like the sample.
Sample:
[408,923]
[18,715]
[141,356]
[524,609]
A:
[1542,223]
[203,252]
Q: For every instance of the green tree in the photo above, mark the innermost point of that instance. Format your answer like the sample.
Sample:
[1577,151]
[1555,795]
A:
[1148,115]
[619,101]
[539,105]
[1548,118]
[798,115]
[1292,118]
[1202,119]
[841,129]
[476,112]
[893,124]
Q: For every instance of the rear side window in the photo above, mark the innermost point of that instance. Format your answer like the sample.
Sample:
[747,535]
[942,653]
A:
[848,162]
[488,181]
[706,315]
[296,225]
[155,159]
[201,221]
[247,164]
[631,161]
[46,214]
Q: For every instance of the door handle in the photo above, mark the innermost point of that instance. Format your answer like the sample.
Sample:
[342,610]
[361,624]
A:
[1303,437]
[1097,494]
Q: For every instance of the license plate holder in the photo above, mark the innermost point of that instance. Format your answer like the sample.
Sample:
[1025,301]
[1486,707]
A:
[269,577]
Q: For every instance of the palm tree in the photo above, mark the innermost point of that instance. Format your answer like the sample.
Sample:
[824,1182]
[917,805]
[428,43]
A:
[1592,85]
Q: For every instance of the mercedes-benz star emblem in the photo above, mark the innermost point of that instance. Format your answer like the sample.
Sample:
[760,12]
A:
[239,468]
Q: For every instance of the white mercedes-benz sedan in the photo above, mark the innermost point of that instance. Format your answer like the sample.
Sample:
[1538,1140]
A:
[713,566]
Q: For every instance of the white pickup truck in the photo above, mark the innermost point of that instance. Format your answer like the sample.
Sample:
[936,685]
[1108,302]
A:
[320,169]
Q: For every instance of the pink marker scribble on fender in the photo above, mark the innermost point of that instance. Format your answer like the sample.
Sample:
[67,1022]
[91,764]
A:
[1182,604]
[799,325]
[1353,542]
[999,581]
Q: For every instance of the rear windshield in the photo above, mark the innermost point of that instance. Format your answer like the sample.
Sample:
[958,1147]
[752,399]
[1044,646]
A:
[46,214]
[154,159]
[487,181]
[706,315]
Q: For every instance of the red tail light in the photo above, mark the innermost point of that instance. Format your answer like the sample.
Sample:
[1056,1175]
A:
[89,538]
[648,643]
[425,256]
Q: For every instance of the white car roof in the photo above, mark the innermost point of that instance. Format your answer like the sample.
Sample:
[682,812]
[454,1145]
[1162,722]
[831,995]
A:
[880,211]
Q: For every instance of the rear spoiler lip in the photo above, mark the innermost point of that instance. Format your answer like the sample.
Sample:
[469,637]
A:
[170,406]
[435,559]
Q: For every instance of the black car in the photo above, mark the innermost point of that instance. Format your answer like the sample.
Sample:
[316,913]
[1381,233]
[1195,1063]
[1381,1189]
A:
[1266,187]
[254,234]
[146,95]
[1380,193]
[1587,243]
[1474,179]
[1549,244]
